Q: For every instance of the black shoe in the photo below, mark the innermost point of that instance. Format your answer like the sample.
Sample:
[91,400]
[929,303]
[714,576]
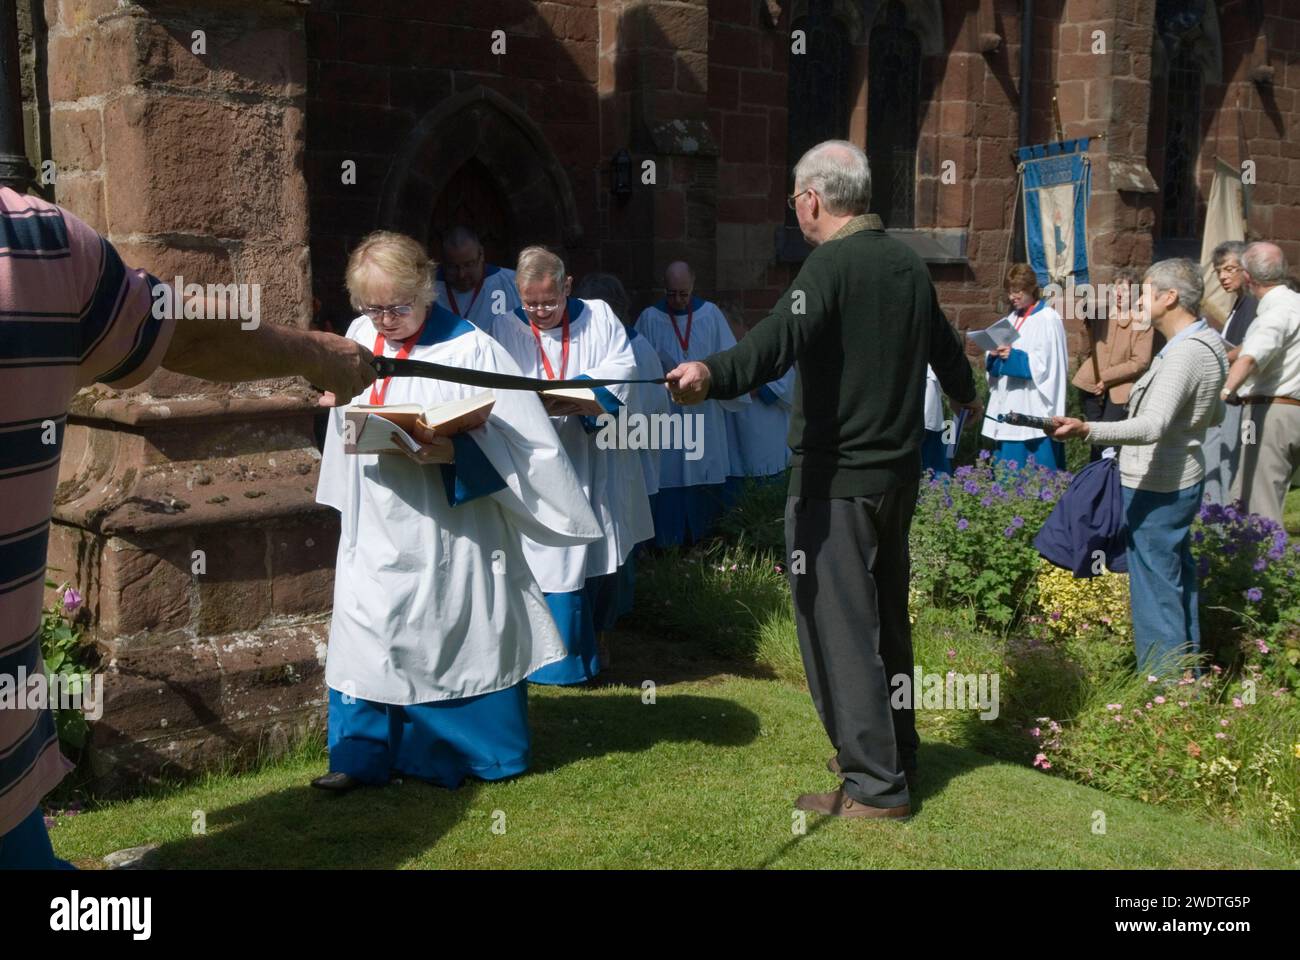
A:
[336,781]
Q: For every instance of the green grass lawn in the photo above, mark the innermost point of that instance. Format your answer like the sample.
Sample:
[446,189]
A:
[706,776]
[1291,512]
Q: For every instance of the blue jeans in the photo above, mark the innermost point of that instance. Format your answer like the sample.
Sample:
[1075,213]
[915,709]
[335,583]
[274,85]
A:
[1162,574]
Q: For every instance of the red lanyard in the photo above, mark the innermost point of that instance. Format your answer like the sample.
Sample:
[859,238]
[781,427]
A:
[379,391]
[451,296]
[690,317]
[1020,322]
[564,350]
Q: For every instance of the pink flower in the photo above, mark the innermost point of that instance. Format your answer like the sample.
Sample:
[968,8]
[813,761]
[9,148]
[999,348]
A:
[1160,699]
[1152,678]
[952,654]
[71,600]
[1263,647]
[1216,668]
[1035,732]
[1042,761]
[1220,736]
[1223,723]
[1236,702]
[1148,704]
[1182,703]
[1114,706]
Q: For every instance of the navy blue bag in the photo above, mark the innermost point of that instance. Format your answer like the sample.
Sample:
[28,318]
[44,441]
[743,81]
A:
[1088,517]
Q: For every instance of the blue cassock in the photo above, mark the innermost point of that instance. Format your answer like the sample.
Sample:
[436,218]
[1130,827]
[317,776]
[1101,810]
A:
[1088,518]
[445,741]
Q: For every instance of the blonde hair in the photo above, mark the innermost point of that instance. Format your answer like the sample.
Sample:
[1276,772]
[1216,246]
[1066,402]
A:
[398,258]
[538,263]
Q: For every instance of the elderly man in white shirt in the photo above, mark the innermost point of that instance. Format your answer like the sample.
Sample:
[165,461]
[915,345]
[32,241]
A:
[1267,373]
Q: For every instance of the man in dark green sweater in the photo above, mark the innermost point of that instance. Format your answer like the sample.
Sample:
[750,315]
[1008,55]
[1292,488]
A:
[861,321]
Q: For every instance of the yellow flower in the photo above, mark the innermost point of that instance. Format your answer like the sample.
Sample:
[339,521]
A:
[1296,748]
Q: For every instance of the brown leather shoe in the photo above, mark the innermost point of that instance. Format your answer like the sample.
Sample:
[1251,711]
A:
[840,804]
[913,776]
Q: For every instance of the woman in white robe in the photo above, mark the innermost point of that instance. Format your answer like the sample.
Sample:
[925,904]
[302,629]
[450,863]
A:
[1028,377]
[437,617]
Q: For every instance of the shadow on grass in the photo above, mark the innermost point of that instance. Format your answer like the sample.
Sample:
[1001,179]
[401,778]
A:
[604,720]
[939,763]
[384,827]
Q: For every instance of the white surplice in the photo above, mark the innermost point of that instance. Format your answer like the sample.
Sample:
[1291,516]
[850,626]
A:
[710,334]
[496,298]
[433,601]
[649,400]
[612,479]
[1042,337]
[757,434]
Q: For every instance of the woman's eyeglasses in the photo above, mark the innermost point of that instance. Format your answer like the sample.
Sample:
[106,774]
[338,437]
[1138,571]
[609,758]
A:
[398,310]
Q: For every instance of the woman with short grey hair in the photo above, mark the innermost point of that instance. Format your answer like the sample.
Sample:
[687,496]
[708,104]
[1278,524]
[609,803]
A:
[1162,468]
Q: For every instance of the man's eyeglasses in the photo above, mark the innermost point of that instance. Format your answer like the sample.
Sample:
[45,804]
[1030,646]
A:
[795,196]
[399,310]
[541,307]
[1230,269]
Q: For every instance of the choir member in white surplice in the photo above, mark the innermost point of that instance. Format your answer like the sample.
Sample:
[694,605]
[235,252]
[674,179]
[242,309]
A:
[692,492]
[437,617]
[757,434]
[556,337]
[469,286]
[616,594]
[1028,376]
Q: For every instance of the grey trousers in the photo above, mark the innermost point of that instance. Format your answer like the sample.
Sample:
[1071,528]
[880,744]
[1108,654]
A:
[849,570]
[1270,454]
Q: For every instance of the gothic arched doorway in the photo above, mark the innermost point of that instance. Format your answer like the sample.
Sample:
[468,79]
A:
[479,157]
[472,198]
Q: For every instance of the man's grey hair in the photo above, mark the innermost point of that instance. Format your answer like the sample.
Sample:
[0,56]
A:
[1183,277]
[839,172]
[1265,263]
[607,287]
[538,263]
[1229,248]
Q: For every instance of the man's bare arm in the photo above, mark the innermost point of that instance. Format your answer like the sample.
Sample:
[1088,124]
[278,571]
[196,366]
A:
[221,350]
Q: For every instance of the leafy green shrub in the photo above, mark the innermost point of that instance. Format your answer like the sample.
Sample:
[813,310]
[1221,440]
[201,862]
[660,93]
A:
[972,537]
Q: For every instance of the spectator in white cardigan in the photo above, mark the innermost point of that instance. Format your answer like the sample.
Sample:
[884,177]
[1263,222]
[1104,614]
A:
[1162,467]
[1267,370]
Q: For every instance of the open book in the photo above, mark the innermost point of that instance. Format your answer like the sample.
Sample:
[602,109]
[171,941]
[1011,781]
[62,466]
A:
[1002,333]
[584,397]
[372,429]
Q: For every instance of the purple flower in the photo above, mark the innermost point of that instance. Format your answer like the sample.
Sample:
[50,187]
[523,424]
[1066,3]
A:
[986,501]
[1254,594]
[970,486]
[1017,522]
[1020,490]
[1259,565]
[1045,494]
[1009,532]
[71,600]
[963,472]
[984,454]
[1012,465]
[947,501]
[963,523]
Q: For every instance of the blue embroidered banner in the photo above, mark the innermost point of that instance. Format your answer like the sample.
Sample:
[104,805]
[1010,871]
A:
[1057,183]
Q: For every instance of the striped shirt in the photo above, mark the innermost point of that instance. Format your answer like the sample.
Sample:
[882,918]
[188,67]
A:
[70,315]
